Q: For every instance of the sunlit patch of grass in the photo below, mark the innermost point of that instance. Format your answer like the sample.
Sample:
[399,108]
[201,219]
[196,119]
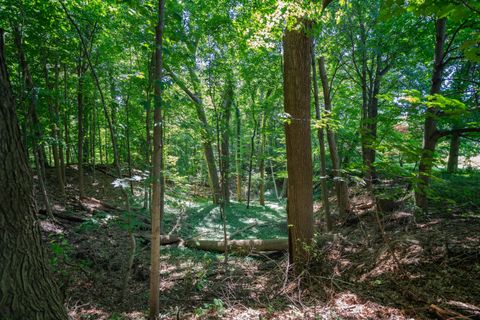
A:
[205,219]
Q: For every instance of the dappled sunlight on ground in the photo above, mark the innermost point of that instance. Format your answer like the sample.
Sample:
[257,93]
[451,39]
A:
[357,272]
[51,227]
[204,220]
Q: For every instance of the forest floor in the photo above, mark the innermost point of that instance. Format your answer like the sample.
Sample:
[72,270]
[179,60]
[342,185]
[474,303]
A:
[395,265]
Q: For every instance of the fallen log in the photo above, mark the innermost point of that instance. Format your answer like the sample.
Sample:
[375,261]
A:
[253,245]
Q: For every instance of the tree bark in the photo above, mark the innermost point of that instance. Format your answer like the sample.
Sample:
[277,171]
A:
[274,180]
[54,124]
[157,206]
[225,150]
[284,192]
[66,119]
[453,153]
[113,117]
[365,141]
[238,153]
[127,135]
[250,162]
[80,133]
[371,127]
[27,288]
[148,131]
[296,83]
[61,170]
[340,184]
[430,125]
[261,166]
[94,138]
[321,142]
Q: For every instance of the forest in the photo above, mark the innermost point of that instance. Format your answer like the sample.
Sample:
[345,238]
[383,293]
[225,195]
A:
[239,159]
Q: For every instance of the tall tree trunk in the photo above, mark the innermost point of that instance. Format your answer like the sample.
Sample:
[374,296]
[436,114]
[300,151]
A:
[208,152]
[453,153]
[371,125]
[148,133]
[272,171]
[261,166]
[321,142]
[66,118]
[430,125]
[284,193]
[340,183]
[127,134]
[225,143]
[28,290]
[238,153]
[100,144]
[113,117]
[32,93]
[86,129]
[157,171]
[148,152]
[364,122]
[106,149]
[212,170]
[54,125]
[38,150]
[89,64]
[207,137]
[296,83]
[94,137]
[80,133]
[59,126]
[41,180]
[250,162]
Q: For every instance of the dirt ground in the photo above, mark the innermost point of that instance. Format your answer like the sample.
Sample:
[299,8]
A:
[395,265]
